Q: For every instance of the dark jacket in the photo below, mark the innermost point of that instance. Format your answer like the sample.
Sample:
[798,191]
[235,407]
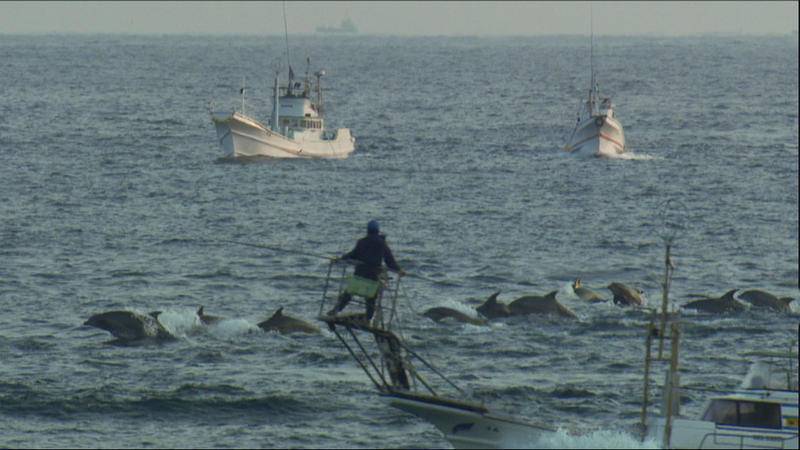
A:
[371,251]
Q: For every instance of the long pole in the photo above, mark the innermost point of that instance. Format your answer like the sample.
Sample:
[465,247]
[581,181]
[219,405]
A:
[646,391]
[591,58]
[673,377]
[665,295]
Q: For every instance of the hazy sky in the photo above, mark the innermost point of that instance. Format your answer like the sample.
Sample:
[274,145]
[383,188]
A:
[402,18]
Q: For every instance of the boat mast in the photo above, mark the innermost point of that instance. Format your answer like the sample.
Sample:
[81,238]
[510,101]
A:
[275,104]
[288,60]
[319,75]
[592,93]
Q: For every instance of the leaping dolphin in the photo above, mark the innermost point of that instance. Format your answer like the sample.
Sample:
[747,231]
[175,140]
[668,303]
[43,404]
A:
[586,294]
[724,304]
[440,313]
[492,309]
[761,299]
[129,325]
[625,296]
[207,319]
[286,324]
[534,304]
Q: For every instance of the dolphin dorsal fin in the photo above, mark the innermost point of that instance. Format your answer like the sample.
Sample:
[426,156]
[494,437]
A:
[200,311]
[729,295]
[551,295]
[493,298]
[279,312]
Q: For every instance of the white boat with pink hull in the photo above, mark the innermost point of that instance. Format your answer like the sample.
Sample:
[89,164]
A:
[597,132]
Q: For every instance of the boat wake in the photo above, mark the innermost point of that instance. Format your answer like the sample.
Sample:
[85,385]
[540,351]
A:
[595,439]
[634,157]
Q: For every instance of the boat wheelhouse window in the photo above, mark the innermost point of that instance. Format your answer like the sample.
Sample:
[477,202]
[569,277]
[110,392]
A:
[760,414]
[721,412]
[744,414]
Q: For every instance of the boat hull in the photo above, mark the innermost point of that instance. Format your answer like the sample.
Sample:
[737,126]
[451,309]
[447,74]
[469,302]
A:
[701,434]
[600,136]
[466,427]
[243,136]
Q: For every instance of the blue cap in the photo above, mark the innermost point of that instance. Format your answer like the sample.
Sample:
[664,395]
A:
[373,227]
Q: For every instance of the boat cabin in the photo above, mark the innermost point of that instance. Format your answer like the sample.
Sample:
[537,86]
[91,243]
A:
[606,107]
[741,412]
[767,400]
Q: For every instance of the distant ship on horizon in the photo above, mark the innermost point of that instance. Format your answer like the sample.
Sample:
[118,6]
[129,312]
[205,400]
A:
[346,27]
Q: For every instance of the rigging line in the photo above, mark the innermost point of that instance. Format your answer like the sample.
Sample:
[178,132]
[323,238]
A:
[316,255]
[280,249]
[366,354]
[286,35]
[430,366]
[352,353]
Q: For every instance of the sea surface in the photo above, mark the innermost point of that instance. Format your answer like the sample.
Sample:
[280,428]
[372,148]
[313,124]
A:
[114,195]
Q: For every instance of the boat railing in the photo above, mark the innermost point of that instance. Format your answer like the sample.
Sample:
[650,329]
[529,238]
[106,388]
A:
[392,366]
[733,440]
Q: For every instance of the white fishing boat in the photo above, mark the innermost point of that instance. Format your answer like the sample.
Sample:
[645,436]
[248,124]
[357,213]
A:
[394,369]
[296,128]
[597,130]
[761,414]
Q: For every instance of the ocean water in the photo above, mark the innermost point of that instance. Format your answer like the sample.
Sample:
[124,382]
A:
[113,195]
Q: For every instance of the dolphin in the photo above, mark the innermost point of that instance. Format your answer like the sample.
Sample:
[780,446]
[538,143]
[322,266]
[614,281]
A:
[440,313]
[625,296]
[761,299]
[534,304]
[723,304]
[586,293]
[206,319]
[492,309]
[129,325]
[286,324]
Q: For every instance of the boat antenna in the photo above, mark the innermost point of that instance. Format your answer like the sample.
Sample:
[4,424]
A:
[286,38]
[591,41]
[591,55]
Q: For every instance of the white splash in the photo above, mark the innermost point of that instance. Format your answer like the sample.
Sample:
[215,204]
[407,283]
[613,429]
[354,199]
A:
[635,157]
[228,328]
[600,439]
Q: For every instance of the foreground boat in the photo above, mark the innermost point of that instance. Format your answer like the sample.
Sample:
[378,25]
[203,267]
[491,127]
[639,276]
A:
[393,369]
[761,414]
[297,127]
